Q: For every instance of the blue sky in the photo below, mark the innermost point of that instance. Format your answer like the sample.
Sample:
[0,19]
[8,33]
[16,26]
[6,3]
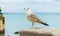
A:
[16,6]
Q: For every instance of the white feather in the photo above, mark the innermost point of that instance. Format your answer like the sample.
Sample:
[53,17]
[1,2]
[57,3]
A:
[28,11]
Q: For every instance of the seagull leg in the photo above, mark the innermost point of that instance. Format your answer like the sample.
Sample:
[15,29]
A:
[32,24]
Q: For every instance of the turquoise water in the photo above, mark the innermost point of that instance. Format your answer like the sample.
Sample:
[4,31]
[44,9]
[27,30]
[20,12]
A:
[17,21]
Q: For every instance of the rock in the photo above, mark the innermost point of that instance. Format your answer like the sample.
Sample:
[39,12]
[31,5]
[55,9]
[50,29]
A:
[40,32]
[2,22]
[2,32]
[16,33]
[2,29]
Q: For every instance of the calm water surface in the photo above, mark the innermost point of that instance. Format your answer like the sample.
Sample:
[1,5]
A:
[17,21]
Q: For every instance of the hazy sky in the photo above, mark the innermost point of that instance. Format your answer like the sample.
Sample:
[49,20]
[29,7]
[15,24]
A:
[16,6]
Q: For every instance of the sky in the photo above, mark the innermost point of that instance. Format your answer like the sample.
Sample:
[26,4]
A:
[40,6]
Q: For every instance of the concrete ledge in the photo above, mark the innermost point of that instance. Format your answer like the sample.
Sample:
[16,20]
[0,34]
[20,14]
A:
[40,32]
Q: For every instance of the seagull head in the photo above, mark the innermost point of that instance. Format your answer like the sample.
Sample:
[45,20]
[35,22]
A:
[27,9]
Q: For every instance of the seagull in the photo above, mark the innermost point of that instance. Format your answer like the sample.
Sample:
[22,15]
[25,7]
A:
[33,17]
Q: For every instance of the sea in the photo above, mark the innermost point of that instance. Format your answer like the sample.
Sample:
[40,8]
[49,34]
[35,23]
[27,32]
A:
[17,22]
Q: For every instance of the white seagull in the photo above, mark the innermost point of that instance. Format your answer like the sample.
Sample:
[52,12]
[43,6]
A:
[33,18]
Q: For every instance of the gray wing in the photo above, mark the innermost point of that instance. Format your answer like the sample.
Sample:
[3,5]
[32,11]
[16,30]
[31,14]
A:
[35,18]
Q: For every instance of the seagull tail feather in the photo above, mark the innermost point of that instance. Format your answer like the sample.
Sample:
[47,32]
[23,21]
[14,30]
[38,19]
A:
[44,24]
